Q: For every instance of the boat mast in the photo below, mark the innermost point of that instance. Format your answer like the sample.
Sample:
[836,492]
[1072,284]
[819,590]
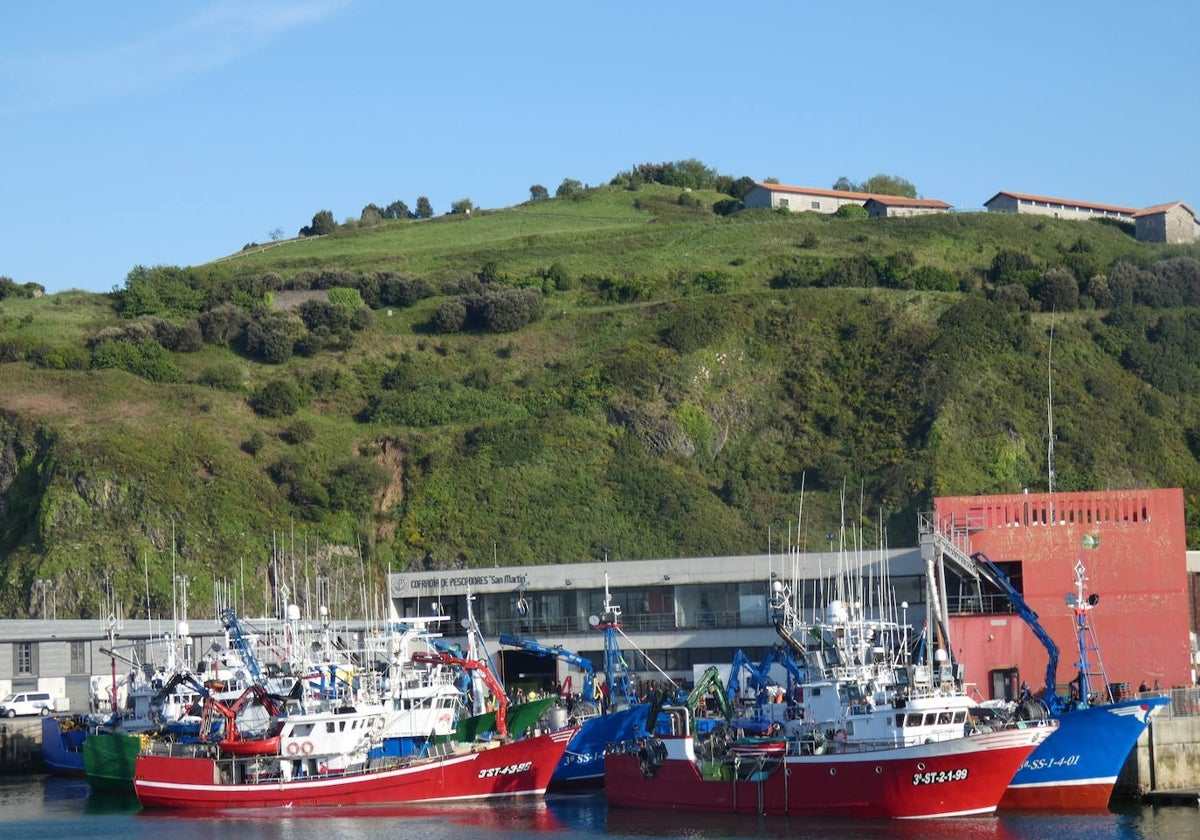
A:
[1050,413]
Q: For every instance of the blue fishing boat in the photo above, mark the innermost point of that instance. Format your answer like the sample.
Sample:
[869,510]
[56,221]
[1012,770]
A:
[606,713]
[1076,767]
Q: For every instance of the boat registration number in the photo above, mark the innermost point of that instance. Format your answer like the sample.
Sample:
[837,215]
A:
[506,770]
[939,776]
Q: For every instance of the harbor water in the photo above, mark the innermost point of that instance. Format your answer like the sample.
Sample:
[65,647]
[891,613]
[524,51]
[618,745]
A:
[51,808]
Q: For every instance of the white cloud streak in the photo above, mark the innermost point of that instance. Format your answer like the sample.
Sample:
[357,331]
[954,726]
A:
[37,76]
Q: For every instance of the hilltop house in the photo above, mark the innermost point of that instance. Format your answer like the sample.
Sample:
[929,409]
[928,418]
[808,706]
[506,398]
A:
[800,199]
[1173,223]
[1059,208]
[898,205]
[814,200]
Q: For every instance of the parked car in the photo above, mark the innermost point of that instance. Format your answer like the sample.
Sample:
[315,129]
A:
[27,703]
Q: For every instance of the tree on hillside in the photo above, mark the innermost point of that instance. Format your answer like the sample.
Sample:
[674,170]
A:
[879,185]
[424,208]
[538,193]
[462,207]
[397,210]
[371,215]
[322,224]
[569,188]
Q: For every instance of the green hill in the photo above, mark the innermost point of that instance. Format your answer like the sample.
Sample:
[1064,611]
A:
[626,370]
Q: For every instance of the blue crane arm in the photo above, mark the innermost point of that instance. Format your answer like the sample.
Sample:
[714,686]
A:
[991,572]
[734,685]
[241,644]
[554,652]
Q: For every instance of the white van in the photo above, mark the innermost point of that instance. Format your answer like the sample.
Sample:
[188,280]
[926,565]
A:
[27,703]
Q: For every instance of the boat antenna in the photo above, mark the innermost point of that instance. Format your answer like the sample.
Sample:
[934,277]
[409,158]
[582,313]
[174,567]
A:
[1050,411]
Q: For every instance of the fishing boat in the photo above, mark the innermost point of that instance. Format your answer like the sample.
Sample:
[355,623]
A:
[875,732]
[1077,767]
[325,758]
[927,767]
[605,715]
[375,743]
[62,744]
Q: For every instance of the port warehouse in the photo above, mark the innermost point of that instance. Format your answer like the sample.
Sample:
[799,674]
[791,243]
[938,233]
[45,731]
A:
[683,613]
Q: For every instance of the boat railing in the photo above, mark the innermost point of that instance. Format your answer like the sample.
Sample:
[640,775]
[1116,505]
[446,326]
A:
[1185,701]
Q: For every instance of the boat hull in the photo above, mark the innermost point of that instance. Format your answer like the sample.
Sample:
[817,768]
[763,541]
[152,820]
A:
[62,746]
[582,765]
[1076,768]
[949,778]
[109,759]
[517,768]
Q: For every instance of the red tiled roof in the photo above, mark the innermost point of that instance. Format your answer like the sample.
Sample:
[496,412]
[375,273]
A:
[905,201]
[814,191]
[1066,202]
[1162,208]
[895,200]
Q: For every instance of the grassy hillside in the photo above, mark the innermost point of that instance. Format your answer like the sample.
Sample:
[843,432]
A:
[690,383]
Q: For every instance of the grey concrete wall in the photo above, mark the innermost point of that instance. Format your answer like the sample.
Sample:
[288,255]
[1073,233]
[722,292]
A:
[1167,757]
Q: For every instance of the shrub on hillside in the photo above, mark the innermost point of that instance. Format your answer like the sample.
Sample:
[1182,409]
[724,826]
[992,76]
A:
[799,275]
[397,290]
[851,211]
[450,317]
[689,332]
[505,309]
[1013,298]
[277,398]
[355,485]
[147,359]
[1058,291]
[272,336]
[223,325]
[298,431]
[1009,266]
[557,274]
[928,278]
[225,376]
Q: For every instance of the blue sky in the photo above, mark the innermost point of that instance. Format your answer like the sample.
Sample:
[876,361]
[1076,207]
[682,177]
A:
[150,133]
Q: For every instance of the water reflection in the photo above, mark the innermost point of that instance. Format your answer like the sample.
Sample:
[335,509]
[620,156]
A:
[65,809]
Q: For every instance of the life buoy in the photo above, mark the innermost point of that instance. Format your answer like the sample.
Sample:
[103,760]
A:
[293,748]
[840,735]
[307,747]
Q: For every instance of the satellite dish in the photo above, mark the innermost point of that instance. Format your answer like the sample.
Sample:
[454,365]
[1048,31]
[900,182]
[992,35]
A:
[594,620]
[522,607]
[465,623]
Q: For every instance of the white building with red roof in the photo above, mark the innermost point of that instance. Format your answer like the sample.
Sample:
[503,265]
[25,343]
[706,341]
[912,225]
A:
[815,200]
[1059,208]
[1174,222]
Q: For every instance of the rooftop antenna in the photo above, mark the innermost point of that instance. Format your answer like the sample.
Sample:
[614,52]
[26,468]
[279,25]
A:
[1050,411]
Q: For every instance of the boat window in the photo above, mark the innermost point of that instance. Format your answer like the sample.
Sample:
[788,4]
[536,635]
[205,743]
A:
[960,716]
[944,717]
[930,718]
[914,719]
[329,726]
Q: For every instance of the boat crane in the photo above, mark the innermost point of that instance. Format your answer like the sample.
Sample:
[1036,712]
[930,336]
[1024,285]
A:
[556,652]
[1055,702]
[239,642]
[474,666]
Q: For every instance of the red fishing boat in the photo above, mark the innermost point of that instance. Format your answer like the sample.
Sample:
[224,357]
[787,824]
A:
[952,777]
[310,775]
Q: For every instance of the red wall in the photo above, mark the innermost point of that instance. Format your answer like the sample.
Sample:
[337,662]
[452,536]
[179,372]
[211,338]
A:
[1139,571]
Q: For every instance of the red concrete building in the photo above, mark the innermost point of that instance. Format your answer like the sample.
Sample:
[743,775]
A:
[1137,567]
